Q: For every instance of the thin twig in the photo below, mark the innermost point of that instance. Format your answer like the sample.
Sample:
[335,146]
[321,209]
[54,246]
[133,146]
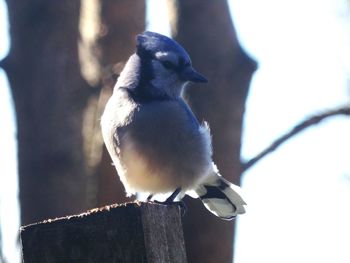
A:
[297,129]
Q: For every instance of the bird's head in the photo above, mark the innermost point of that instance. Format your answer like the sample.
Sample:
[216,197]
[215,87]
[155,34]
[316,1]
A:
[166,64]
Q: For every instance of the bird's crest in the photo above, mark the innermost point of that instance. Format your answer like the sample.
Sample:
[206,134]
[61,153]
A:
[152,43]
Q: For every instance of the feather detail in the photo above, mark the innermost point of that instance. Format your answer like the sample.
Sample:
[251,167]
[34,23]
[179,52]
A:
[220,197]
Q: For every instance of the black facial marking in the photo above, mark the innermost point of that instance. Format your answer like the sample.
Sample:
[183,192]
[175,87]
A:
[146,66]
[144,92]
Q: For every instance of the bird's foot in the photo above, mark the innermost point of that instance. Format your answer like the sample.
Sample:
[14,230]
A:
[170,201]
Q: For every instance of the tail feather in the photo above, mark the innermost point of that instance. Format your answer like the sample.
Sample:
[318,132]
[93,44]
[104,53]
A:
[221,197]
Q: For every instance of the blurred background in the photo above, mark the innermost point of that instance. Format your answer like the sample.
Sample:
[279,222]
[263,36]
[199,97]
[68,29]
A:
[272,66]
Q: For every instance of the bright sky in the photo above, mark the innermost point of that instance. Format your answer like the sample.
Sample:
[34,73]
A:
[298,197]
[9,220]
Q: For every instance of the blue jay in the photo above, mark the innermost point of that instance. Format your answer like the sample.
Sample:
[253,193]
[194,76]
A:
[156,143]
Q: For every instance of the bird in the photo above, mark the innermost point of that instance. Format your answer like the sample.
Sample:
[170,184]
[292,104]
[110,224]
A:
[155,141]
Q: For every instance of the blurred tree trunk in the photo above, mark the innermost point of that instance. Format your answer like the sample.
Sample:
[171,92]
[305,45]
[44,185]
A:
[56,58]
[206,30]
[50,95]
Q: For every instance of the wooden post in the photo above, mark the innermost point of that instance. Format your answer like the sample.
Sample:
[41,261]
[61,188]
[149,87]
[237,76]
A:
[132,232]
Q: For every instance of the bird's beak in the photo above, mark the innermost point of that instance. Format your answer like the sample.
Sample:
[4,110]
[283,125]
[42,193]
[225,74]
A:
[190,74]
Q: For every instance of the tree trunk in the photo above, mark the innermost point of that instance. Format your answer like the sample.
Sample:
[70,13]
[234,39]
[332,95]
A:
[50,95]
[206,31]
[54,105]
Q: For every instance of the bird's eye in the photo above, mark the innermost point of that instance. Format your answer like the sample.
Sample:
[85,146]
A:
[168,65]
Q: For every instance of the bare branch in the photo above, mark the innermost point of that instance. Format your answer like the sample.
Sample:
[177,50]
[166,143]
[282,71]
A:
[296,130]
